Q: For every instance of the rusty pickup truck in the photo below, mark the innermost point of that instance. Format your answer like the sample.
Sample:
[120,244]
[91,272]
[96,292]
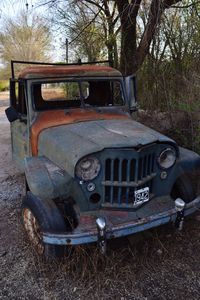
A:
[92,172]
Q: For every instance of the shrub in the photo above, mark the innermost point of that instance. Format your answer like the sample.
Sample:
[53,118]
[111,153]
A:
[4,85]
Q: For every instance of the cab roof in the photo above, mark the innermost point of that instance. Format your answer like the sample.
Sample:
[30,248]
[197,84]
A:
[40,72]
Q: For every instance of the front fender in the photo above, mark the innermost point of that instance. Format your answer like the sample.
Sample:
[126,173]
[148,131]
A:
[189,161]
[46,180]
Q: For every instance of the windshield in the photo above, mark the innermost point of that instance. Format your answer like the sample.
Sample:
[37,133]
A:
[69,94]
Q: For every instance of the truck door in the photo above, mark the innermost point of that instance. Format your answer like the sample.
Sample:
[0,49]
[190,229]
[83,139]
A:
[19,127]
[130,83]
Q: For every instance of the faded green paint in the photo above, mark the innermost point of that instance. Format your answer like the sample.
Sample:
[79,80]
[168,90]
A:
[46,180]
[20,142]
[51,175]
[66,144]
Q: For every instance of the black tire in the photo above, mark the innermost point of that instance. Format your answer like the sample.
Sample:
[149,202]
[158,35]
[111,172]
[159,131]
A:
[183,189]
[37,216]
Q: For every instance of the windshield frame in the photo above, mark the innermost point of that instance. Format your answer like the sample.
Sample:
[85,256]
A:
[79,80]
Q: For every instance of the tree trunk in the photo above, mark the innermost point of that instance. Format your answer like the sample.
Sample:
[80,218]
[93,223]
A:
[128,14]
[132,57]
[128,46]
[111,42]
[155,13]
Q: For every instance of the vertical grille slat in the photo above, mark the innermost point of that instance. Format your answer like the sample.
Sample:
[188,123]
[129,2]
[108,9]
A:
[120,171]
[152,162]
[127,170]
[145,166]
[132,170]
[136,170]
[128,173]
[112,178]
[120,180]
[149,164]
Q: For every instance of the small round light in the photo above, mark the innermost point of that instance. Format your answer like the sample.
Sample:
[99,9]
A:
[163,175]
[167,158]
[91,187]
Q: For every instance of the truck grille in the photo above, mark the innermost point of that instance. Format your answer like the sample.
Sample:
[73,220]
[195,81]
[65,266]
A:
[123,176]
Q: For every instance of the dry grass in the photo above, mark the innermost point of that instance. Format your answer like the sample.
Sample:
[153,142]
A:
[158,264]
[155,265]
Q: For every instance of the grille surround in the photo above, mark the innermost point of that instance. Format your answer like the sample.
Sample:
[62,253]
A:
[125,171]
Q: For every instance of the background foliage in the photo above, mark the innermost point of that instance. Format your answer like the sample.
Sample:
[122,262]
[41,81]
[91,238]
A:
[157,39]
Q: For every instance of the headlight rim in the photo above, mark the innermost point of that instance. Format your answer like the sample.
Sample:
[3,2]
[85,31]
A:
[96,171]
[161,153]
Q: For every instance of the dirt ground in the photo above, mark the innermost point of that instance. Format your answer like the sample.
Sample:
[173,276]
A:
[160,264]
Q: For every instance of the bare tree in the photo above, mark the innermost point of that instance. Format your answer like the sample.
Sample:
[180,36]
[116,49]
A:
[92,25]
[134,49]
[26,38]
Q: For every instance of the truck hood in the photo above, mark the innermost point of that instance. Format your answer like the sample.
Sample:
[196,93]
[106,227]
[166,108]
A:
[64,145]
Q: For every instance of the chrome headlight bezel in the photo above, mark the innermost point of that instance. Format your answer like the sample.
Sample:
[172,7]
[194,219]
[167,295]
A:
[167,158]
[87,168]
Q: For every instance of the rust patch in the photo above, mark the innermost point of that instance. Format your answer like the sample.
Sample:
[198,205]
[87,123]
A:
[54,71]
[33,230]
[54,118]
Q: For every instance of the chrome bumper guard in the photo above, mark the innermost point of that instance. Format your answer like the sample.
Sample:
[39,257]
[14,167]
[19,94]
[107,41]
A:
[92,235]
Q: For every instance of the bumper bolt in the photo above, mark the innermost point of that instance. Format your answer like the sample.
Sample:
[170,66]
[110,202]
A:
[180,206]
[101,228]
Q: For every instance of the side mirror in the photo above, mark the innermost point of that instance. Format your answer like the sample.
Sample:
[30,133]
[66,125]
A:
[12,114]
[131,91]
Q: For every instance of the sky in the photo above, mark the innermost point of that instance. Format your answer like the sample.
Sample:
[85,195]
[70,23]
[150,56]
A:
[11,9]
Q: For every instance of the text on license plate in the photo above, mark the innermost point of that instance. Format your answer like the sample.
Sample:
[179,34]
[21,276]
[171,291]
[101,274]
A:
[141,196]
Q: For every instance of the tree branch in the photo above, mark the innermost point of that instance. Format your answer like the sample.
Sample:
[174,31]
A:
[95,4]
[93,19]
[186,6]
[169,3]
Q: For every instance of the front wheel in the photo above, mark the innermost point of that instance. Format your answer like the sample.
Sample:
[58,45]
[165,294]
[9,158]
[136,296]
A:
[39,216]
[183,189]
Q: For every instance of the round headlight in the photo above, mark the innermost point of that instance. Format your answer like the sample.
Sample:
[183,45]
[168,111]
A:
[87,168]
[167,158]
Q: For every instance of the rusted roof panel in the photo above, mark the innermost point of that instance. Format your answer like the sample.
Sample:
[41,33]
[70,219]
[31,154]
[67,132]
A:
[71,70]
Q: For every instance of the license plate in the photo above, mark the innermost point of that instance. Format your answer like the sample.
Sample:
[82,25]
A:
[141,196]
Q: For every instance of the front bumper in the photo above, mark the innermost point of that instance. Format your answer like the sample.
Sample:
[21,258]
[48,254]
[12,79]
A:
[121,223]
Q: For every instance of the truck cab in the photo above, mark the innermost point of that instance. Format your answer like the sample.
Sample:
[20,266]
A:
[92,172]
